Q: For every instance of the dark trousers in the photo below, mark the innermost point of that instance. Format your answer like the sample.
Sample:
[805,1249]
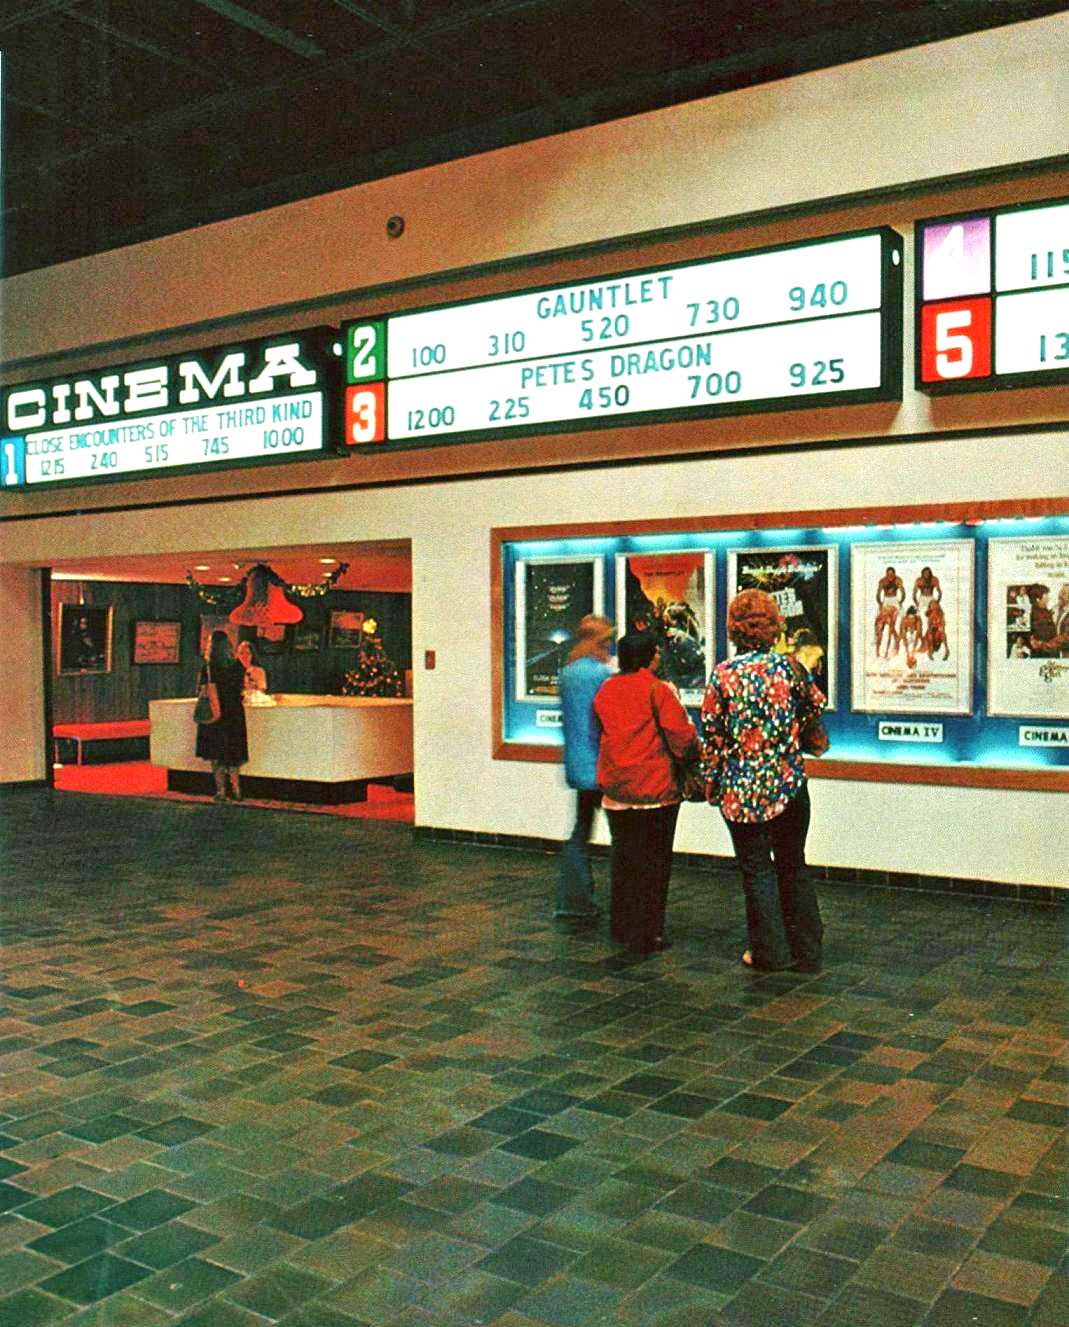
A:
[782,914]
[641,868]
[575,880]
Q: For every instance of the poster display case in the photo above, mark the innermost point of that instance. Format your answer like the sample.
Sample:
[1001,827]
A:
[936,631]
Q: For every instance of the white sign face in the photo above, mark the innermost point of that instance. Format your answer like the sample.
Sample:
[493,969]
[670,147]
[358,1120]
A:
[549,719]
[263,400]
[911,627]
[931,733]
[280,427]
[1030,736]
[781,325]
[1032,248]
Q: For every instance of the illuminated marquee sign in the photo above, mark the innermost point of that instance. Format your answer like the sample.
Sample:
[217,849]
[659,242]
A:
[993,299]
[811,323]
[265,400]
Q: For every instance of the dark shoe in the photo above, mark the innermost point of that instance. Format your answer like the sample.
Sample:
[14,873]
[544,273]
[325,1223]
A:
[661,944]
[809,968]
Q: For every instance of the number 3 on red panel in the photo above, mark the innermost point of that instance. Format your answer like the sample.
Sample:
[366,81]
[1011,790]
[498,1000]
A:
[956,340]
[365,414]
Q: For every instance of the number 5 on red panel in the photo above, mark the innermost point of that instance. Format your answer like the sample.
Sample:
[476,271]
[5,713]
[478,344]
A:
[956,340]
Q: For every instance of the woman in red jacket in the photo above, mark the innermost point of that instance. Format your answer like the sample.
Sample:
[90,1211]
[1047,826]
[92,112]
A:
[642,721]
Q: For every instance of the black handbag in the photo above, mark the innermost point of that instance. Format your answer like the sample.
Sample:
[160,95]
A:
[687,770]
[207,709]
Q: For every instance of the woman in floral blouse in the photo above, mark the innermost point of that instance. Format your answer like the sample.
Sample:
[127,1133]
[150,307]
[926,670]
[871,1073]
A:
[753,709]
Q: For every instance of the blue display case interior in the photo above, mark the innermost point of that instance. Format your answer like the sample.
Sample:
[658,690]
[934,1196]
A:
[976,739]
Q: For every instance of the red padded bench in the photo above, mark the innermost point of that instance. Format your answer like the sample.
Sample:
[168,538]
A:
[99,743]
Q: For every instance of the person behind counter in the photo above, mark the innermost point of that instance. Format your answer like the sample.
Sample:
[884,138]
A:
[254,687]
[224,742]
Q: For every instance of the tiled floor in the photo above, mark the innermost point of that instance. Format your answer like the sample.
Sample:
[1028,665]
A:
[268,1068]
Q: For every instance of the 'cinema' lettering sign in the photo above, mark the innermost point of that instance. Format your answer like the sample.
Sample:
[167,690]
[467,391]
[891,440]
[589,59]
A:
[265,400]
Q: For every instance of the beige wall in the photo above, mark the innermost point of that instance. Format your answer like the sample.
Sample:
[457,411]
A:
[871,126]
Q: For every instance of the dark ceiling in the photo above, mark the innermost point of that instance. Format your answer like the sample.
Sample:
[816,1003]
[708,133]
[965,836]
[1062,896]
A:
[130,119]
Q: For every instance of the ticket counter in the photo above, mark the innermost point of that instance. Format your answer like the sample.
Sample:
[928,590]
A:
[301,749]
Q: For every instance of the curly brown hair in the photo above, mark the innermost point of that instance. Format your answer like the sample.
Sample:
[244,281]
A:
[754,620]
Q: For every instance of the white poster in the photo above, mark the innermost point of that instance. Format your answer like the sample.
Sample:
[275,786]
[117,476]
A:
[911,627]
[1028,627]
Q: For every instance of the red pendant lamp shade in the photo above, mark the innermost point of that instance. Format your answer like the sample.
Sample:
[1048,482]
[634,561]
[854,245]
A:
[265,603]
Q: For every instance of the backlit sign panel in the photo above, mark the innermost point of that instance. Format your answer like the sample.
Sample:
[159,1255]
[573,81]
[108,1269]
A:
[811,323]
[993,299]
[266,400]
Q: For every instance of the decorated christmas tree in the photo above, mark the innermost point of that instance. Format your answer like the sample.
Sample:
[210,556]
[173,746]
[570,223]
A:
[375,673]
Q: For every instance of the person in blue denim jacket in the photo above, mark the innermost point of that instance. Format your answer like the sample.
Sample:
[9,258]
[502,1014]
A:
[580,680]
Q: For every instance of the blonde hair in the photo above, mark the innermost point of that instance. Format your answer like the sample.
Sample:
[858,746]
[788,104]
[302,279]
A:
[591,636]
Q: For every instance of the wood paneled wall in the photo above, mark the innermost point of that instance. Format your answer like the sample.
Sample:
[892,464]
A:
[125,691]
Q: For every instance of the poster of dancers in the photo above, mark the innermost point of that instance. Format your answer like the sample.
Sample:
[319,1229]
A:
[552,594]
[671,595]
[1028,627]
[911,627]
[804,583]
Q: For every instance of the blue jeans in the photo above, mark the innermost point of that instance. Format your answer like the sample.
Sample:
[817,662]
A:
[782,914]
[575,882]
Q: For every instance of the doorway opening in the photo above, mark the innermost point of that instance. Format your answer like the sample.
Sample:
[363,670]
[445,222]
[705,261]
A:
[330,728]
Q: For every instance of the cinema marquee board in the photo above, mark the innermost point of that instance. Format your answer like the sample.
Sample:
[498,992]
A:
[260,401]
[993,299]
[815,323]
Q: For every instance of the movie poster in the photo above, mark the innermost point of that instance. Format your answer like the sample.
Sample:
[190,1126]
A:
[552,594]
[911,627]
[1028,627]
[804,583]
[671,595]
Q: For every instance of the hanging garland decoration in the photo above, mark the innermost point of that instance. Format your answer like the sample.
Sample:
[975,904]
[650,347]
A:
[320,587]
[220,596]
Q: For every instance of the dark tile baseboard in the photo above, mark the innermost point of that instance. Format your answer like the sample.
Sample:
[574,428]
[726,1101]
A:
[848,875]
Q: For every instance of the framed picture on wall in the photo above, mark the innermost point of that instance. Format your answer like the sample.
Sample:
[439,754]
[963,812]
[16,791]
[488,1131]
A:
[671,595]
[271,640]
[306,639]
[804,581]
[552,594]
[217,622]
[346,629]
[911,632]
[157,642]
[84,639]
[1028,627]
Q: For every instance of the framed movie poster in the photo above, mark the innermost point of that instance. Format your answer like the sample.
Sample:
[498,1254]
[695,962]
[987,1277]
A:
[671,595]
[84,639]
[911,627]
[552,594]
[157,642]
[346,629]
[804,581]
[1028,627]
[306,638]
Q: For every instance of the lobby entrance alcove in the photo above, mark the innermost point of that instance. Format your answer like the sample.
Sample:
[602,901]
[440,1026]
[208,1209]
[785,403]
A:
[126,636]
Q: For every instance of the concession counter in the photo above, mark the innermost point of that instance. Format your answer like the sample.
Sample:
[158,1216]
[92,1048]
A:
[301,749]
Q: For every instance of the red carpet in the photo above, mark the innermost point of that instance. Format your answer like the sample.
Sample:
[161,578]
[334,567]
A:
[140,779]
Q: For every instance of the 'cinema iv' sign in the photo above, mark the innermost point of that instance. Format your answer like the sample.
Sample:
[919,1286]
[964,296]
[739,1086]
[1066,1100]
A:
[266,400]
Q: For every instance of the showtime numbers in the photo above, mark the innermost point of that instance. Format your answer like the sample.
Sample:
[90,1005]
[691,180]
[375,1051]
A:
[819,296]
[818,374]
[437,417]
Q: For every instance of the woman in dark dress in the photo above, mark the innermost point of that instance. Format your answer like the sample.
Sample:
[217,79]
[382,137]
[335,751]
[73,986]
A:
[224,742]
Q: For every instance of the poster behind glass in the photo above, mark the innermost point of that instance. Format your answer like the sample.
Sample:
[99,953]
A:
[84,639]
[671,595]
[804,583]
[1028,627]
[552,594]
[911,627]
